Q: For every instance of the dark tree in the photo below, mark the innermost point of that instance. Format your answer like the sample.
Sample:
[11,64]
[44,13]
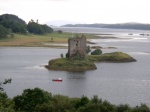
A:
[3,32]
[60,31]
[47,29]
[88,49]
[6,104]
[96,52]
[11,17]
[31,98]
[7,81]
[36,28]
[14,23]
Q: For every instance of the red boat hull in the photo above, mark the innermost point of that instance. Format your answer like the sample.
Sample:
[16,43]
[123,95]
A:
[57,80]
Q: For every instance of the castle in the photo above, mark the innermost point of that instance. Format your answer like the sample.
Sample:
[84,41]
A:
[77,47]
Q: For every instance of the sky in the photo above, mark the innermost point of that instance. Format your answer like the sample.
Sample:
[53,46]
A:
[79,11]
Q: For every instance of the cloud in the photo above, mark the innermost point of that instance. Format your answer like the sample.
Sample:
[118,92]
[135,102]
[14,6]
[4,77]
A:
[86,11]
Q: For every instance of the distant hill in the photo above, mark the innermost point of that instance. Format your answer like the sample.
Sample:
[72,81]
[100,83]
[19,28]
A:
[137,26]
[59,22]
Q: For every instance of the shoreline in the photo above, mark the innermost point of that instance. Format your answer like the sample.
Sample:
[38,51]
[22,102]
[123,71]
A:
[57,46]
[55,40]
[31,40]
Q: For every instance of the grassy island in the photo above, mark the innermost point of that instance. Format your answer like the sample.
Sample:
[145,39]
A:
[70,65]
[88,64]
[112,57]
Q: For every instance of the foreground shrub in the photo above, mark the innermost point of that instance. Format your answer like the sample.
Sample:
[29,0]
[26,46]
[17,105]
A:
[3,32]
[37,100]
[31,98]
[6,104]
[96,52]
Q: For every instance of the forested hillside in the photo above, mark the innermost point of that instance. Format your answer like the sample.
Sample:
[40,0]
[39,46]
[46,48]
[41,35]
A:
[13,24]
[13,18]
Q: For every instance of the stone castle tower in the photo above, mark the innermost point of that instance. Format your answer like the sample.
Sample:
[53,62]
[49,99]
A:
[77,46]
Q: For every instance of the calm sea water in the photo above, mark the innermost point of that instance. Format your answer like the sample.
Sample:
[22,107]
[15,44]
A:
[115,82]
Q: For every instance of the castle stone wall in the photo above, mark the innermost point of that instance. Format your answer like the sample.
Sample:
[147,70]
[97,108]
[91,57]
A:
[77,46]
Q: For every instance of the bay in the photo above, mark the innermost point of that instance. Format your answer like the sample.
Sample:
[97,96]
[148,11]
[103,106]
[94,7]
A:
[115,82]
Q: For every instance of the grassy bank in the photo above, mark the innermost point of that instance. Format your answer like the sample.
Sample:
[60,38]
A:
[32,40]
[70,65]
[112,57]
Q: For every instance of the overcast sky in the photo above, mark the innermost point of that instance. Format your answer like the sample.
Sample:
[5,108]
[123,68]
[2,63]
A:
[82,11]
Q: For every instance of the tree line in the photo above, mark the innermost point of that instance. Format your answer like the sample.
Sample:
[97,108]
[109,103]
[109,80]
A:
[38,100]
[13,24]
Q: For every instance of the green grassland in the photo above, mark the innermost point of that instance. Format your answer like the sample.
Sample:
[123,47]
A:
[31,40]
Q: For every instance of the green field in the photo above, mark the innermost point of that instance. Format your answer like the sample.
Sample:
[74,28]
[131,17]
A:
[32,40]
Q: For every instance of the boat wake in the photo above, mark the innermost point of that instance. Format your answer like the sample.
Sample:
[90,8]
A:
[39,67]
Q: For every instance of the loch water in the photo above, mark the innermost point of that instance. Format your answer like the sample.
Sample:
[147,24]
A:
[119,83]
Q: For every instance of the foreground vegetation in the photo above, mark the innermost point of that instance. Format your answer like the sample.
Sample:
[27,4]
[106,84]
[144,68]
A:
[37,100]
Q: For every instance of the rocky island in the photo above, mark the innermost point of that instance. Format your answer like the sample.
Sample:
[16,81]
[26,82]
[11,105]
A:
[78,60]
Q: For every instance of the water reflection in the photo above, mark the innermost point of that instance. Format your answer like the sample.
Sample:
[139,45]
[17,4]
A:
[76,84]
[76,75]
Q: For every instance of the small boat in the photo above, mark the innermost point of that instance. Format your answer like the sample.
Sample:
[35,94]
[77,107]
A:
[59,80]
